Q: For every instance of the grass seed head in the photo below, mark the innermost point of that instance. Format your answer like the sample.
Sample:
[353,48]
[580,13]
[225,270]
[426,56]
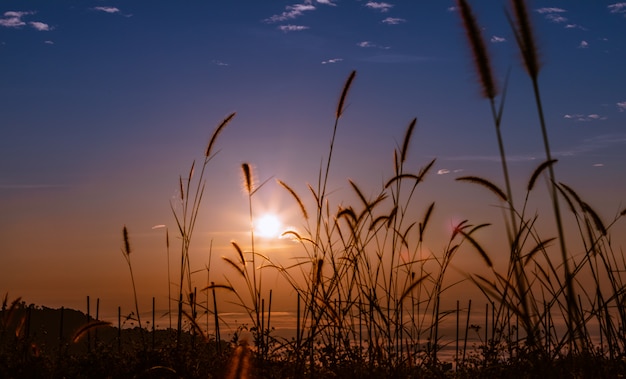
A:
[248,179]
[344,94]
[217,131]
[479,50]
[126,241]
[525,39]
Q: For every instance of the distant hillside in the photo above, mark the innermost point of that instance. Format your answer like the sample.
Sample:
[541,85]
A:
[52,329]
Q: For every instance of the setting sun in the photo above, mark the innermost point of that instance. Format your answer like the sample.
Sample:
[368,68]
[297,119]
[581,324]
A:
[268,226]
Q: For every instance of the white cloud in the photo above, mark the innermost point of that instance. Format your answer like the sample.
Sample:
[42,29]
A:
[369,44]
[585,118]
[556,18]
[49,42]
[40,26]
[443,171]
[583,44]
[107,9]
[496,39]
[291,12]
[598,165]
[13,19]
[383,7]
[621,106]
[327,2]
[292,28]
[334,60]
[393,21]
[550,10]
[219,63]
[617,8]
[553,14]
[575,26]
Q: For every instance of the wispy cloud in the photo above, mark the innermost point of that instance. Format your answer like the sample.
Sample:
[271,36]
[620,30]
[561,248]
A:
[291,12]
[445,171]
[593,144]
[368,44]
[617,8]
[326,2]
[550,10]
[292,28]
[49,42]
[556,15]
[585,118]
[583,44]
[393,21]
[13,19]
[111,10]
[589,145]
[621,106]
[575,26]
[219,63]
[383,7]
[553,14]
[333,60]
[42,27]
[107,9]
[496,39]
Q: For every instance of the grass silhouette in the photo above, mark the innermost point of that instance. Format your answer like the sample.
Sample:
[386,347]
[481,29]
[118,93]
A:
[370,293]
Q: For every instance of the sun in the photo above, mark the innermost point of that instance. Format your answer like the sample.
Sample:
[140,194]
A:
[268,226]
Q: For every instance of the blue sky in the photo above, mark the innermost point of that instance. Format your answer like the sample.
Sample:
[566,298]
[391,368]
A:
[105,104]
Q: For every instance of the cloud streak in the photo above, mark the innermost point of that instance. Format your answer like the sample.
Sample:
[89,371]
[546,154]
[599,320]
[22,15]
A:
[42,27]
[380,6]
[589,145]
[110,10]
[291,12]
[617,8]
[368,44]
[333,60]
[13,19]
[585,118]
[393,21]
[292,28]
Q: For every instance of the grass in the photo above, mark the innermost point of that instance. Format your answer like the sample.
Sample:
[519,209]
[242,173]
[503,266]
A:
[370,294]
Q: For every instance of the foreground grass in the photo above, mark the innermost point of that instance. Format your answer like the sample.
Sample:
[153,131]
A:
[370,293]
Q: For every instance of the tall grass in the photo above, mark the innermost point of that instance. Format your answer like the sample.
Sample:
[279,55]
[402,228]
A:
[186,214]
[371,290]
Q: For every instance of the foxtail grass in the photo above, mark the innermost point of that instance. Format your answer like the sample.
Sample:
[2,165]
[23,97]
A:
[522,28]
[186,215]
[126,250]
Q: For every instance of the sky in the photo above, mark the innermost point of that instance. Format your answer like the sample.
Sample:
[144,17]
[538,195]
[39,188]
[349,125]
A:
[105,105]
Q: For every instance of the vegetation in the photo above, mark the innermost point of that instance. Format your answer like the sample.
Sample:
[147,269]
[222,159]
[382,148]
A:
[370,293]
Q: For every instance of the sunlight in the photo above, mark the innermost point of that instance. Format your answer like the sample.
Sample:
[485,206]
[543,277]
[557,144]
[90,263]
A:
[268,226]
